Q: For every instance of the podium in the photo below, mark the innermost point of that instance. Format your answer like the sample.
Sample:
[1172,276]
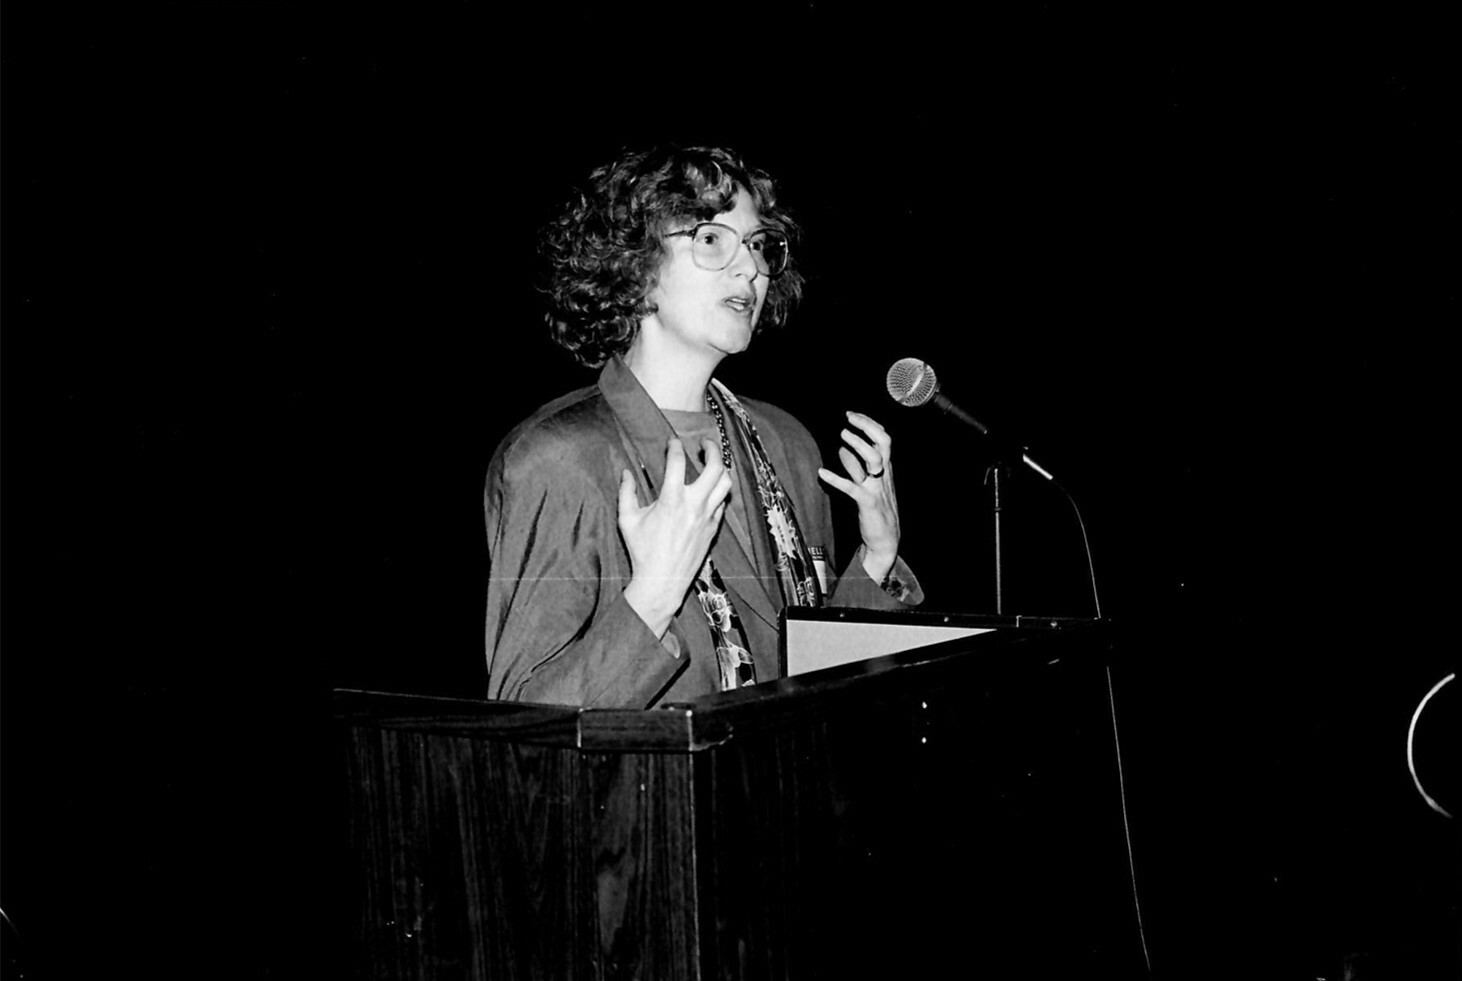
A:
[951,810]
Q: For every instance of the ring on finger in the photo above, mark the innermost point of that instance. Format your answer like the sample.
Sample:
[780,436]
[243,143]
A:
[874,476]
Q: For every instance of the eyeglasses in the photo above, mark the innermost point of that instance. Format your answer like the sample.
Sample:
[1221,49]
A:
[714,246]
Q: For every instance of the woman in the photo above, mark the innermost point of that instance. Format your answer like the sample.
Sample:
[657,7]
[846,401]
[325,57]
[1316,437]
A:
[646,532]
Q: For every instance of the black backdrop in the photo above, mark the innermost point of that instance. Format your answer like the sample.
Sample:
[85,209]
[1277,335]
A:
[268,309]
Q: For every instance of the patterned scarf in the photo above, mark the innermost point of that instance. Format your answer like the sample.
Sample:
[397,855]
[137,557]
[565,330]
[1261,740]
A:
[796,572]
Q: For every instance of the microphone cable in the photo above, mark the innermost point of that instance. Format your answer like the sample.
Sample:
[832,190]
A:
[1096,600]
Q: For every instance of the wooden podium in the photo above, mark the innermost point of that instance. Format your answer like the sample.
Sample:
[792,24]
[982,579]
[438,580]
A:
[949,811]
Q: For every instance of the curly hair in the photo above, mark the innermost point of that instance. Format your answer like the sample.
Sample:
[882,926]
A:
[605,251]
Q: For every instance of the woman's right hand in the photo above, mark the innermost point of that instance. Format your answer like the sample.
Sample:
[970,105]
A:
[669,539]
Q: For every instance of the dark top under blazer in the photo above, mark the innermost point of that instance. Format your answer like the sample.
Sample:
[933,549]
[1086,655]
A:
[558,627]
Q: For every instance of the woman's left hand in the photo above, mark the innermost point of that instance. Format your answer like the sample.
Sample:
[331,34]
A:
[867,459]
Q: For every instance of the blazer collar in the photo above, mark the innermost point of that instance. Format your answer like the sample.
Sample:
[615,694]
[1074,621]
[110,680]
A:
[641,418]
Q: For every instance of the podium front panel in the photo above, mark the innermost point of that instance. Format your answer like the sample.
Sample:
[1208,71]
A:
[954,807]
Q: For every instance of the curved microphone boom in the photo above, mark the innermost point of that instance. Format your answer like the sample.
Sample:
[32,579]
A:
[913,383]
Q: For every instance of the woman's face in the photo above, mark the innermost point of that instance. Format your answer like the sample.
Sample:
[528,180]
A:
[711,312]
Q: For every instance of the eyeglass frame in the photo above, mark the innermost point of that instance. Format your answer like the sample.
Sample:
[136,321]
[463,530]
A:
[740,241]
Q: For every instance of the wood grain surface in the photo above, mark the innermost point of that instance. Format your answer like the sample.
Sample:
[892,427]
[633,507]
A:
[951,808]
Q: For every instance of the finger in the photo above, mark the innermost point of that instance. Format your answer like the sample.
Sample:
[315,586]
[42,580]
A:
[721,491]
[843,484]
[629,498]
[674,466]
[853,465]
[711,462]
[875,432]
[872,459]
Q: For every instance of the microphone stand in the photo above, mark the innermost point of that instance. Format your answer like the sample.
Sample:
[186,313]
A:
[1014,452]
[992,478]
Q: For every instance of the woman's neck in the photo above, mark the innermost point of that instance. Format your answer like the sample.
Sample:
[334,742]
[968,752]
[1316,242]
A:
[673,379]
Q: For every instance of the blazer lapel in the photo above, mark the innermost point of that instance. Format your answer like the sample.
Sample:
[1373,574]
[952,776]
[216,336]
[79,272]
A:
[742,579]
[756,584]
[645,425]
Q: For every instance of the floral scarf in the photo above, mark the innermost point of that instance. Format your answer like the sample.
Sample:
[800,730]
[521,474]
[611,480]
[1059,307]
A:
[796,572]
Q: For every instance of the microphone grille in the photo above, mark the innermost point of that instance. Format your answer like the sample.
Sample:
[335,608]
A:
[911,382]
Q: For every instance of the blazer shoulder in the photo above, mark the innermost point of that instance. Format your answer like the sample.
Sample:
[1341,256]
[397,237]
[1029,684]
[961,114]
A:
[568,433]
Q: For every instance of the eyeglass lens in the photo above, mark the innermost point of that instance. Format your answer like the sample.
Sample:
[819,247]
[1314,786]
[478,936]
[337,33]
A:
[715,247]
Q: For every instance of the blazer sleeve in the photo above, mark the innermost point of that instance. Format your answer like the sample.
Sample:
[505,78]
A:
[558,627]
[855,590]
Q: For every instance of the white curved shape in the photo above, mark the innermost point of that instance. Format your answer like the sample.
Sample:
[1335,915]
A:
[1410,738]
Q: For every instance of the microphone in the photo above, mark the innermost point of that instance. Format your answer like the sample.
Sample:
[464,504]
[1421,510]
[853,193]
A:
[913,383]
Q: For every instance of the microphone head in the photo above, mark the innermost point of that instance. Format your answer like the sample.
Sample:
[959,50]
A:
[911,382]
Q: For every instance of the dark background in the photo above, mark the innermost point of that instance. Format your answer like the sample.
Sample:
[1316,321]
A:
[268,309]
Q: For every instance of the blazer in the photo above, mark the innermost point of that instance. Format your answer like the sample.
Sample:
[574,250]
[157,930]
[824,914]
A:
[558,627]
